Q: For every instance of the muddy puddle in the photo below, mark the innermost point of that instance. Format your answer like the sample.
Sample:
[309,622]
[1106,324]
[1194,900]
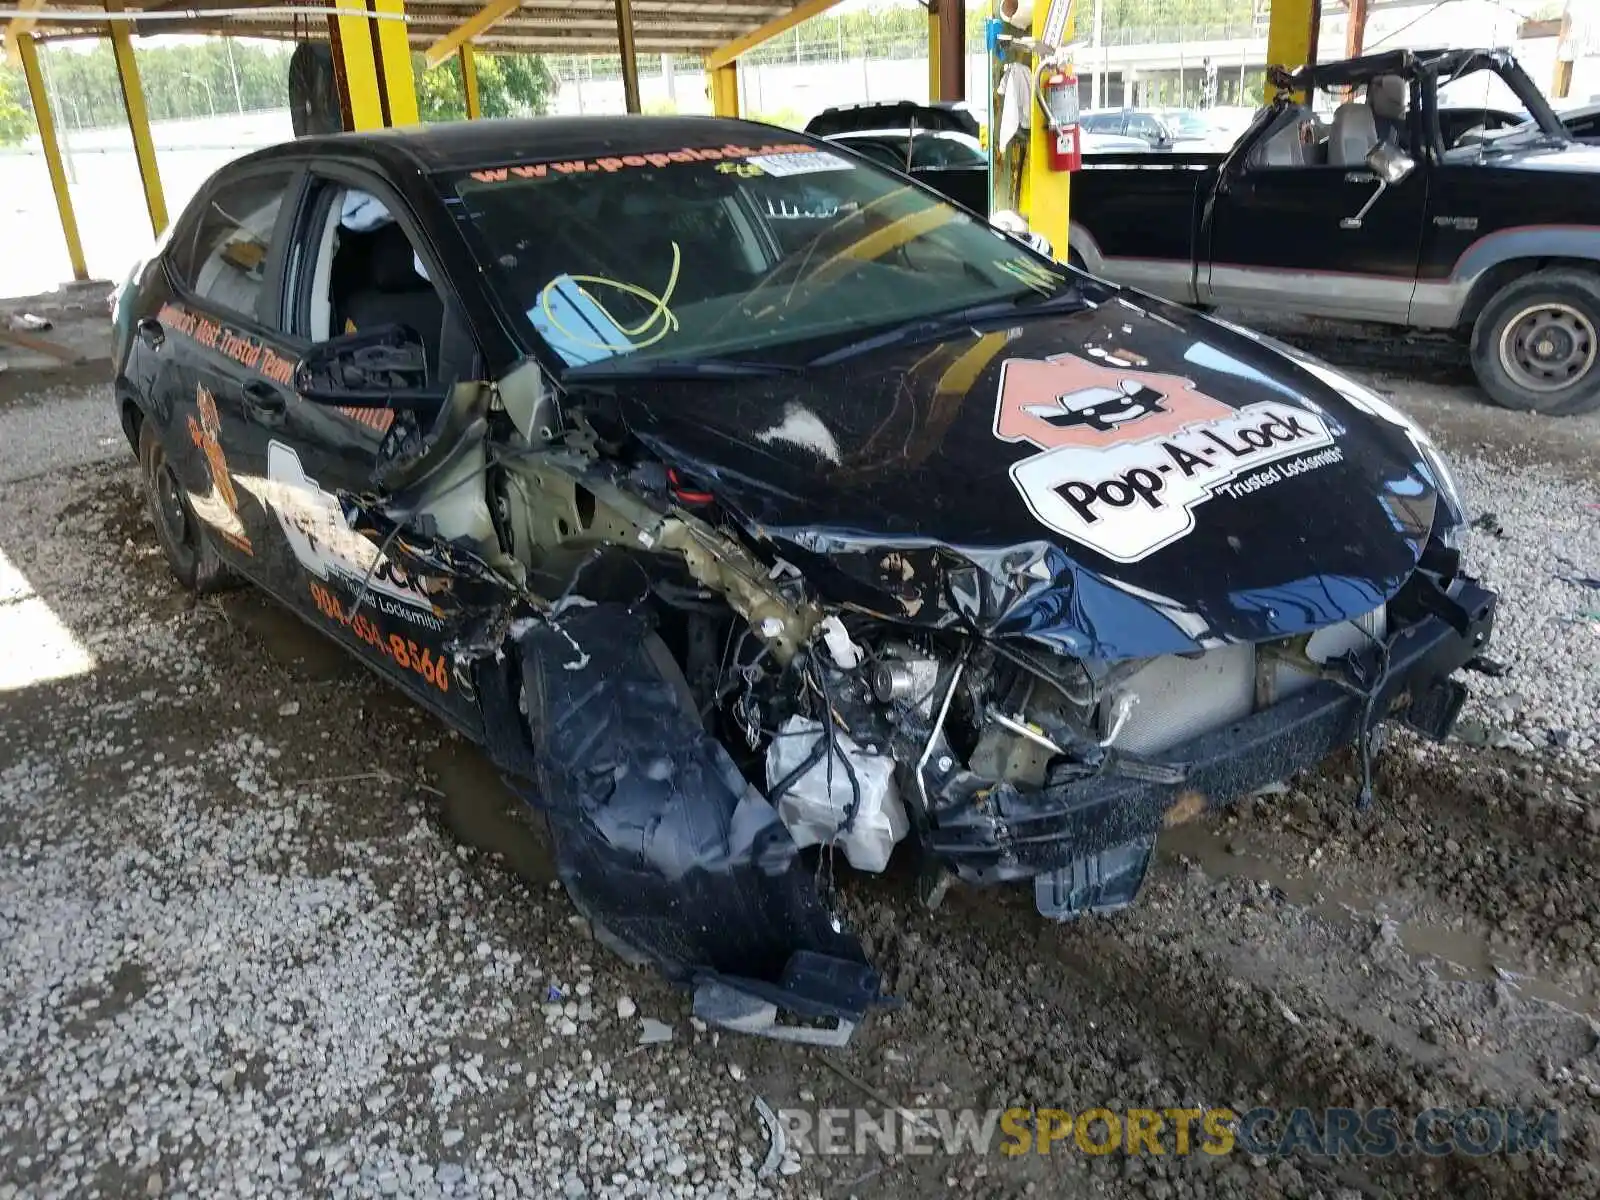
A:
[286,636]
[1461,954]
[480,811]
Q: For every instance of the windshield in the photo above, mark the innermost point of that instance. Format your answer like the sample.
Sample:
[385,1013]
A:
[696,252]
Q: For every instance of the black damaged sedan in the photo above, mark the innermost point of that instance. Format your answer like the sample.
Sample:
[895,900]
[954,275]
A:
[754,508]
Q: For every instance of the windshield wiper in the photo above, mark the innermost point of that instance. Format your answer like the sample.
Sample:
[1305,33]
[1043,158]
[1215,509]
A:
[918,328]
[679,368]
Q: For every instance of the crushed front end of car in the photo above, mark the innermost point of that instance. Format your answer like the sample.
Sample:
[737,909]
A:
[1013,604]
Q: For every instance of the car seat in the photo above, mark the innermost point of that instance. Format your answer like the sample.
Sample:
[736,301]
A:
[1289,145]
[1354,135]
[1387,96]
[386,289]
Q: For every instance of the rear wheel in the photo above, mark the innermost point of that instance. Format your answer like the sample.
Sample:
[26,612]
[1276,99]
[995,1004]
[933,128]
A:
[190,554]
[1536,345]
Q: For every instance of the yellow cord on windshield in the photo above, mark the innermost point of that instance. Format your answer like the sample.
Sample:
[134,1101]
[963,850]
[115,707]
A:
[659,312]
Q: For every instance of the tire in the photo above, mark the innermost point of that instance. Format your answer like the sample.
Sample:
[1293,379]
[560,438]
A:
[190,553]
[1536,344]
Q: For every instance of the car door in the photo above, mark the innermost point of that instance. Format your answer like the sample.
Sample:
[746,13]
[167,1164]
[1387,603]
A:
[1280,235]
[214,351]
[316,458]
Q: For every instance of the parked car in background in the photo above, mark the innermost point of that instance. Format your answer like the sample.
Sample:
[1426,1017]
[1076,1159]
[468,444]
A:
[921,140]
[1148,125]
[1214,128]
[1377,217]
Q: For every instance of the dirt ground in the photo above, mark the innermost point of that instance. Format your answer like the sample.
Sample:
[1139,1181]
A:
[267,928]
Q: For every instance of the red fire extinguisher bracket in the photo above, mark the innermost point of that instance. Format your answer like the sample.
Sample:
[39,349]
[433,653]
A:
[1058,98]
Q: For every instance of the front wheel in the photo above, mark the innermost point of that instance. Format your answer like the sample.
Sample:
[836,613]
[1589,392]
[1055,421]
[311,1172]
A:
[185,542]
[1536,344]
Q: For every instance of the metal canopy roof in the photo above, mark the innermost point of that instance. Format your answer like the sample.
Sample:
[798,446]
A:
[536,26]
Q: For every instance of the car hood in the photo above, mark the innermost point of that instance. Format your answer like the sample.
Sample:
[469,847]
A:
[1118,481]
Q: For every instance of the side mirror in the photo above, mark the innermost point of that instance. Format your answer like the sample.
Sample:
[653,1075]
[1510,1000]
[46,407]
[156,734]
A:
[377,368]
[1390,164]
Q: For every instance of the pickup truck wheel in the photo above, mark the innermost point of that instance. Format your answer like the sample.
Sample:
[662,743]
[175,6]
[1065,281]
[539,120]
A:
[1536,345]
[190,555]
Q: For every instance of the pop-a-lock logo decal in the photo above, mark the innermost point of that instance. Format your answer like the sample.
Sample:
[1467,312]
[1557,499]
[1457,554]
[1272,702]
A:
[1126,456]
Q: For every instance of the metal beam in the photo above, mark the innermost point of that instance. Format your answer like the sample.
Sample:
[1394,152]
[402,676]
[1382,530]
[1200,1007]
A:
[144,148]
[463,33]
[724,81]
[630,56]
[20,25]
[804,11]
[469,80]
[39,97]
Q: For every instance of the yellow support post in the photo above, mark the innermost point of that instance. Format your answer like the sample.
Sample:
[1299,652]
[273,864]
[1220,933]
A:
[476,25]
[469,80]
[1046,193]
[40,99]
[144,149]
[724,89]
[933,49]
[1292,35]
[19,25]
[356,64]
[394,63]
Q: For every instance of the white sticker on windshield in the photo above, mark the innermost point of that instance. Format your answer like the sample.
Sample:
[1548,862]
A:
[799,164]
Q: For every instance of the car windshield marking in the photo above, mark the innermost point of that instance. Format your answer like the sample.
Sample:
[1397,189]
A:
[773,159]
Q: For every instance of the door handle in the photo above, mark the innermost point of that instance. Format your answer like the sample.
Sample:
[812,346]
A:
[264,401]
[150,332]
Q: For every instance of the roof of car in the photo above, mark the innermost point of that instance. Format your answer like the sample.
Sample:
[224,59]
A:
[462,145]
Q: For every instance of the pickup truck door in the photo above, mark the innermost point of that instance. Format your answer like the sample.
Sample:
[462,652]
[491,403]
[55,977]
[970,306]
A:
[1276,235]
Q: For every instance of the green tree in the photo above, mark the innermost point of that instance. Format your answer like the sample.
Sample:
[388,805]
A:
[509,85]
[16,122]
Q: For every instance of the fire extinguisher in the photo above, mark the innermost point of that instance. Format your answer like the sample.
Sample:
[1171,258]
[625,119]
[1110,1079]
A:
[1058,97]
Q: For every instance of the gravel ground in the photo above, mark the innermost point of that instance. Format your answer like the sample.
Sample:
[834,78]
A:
[251,943]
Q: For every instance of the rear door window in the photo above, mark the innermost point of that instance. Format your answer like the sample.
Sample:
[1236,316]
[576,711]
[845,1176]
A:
[228,261]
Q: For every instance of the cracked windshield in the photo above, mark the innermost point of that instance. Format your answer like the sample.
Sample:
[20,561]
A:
[698,252]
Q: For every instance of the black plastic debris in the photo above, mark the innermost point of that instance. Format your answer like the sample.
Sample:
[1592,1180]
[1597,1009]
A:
[1490,524]
[672,855]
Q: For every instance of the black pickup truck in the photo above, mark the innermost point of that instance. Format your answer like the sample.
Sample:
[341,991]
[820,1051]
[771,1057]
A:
[1374,216]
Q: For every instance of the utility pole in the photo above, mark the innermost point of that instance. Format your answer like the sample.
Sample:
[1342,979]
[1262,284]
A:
[1355,33]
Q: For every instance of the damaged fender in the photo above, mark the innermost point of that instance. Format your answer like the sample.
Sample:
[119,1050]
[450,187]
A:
[666,848]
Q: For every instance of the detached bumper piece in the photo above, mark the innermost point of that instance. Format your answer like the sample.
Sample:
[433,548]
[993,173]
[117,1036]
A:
[1086,844]
[663,845]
